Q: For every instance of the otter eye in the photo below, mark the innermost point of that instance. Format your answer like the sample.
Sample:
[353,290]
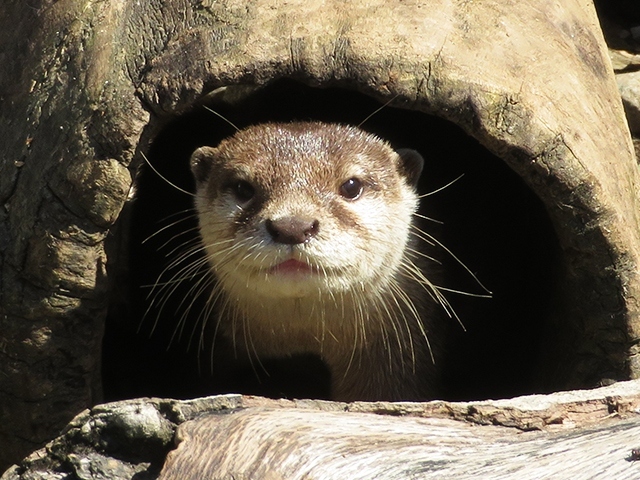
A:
[242,190]
[351,189]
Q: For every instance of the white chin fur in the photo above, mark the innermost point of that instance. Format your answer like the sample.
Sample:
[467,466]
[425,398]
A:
[274,285]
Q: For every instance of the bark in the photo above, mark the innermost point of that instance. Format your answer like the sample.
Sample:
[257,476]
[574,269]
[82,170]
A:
[575,434]
[87,85]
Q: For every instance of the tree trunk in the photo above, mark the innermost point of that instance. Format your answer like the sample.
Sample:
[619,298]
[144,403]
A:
[87,86]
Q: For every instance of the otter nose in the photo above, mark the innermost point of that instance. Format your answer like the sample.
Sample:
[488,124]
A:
[292,230]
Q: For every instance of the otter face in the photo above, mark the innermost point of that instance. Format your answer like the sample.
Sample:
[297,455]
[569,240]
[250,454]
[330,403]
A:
[304,209]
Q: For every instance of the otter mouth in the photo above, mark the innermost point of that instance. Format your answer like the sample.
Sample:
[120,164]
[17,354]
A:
[293,267]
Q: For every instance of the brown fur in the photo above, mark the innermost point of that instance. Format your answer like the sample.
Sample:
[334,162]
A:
[361,307]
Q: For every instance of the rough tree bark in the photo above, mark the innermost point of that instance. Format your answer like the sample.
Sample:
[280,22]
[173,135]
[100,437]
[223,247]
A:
[87,84]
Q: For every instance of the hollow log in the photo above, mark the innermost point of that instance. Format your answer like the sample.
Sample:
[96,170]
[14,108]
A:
[87,88]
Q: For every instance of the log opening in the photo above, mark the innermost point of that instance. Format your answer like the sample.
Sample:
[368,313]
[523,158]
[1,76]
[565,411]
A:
[491,220]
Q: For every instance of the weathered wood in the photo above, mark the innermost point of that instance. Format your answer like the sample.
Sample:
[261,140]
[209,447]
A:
[566,435]
[298,444]
[86,86]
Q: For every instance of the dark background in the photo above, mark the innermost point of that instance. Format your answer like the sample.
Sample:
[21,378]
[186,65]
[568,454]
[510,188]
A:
[491,221]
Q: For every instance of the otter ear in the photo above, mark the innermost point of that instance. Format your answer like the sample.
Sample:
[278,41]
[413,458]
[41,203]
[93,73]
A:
[201,161]
[411,163]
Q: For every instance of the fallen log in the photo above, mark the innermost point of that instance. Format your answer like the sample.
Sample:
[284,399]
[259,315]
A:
[566,435]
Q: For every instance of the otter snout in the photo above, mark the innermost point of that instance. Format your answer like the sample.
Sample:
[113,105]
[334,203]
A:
[292,230]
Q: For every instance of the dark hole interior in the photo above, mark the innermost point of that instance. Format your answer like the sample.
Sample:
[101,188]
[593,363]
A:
[623,12]
[491,220]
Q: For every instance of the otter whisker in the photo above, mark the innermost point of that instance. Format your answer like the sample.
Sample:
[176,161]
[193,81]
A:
[222,117]
[248,339]
[424,195]
[429,238]
[171,252]
[165,293]
[397,292]
[188,253]
[205,315]
[415,273]
[462,292]
[392,318]
[417,253]
[203,285]
[383,106]
[171,225]
[429,219]
[159,293]
[416,316]
[163,178]
[357,323]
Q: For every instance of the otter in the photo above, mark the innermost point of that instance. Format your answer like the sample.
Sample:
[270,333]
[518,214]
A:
[308,229]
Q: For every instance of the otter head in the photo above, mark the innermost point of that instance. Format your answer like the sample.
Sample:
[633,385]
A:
[304,209]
